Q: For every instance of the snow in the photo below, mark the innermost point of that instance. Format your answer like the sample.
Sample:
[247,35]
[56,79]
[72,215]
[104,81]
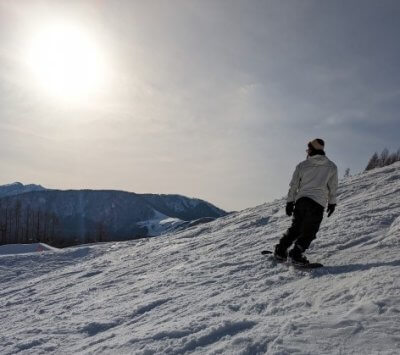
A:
[160,224]
[11,249]
[208,290]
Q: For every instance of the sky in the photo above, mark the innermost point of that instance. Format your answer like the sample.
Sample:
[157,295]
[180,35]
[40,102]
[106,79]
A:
[209,99]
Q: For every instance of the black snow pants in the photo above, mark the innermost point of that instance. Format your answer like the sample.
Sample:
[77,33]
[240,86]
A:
[307,218]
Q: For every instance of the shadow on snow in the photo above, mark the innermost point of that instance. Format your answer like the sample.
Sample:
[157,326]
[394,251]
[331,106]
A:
[343,269]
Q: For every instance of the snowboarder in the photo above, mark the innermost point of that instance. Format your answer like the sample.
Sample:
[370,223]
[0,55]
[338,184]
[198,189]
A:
[314,183]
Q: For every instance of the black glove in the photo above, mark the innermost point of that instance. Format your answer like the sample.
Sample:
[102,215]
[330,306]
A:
[330,209]
[289,208]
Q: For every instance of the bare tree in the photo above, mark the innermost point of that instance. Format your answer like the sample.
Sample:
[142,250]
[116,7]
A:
[3,226]
[45,223]
[54,223]
[373,162]
[384,157]
[392,158]
[398,155]
[9,224]
[17,210]
[27,217]
[101,232]
[37,236]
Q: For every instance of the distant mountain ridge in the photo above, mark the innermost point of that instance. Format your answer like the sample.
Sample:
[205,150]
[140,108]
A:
[117,214]
[17,188]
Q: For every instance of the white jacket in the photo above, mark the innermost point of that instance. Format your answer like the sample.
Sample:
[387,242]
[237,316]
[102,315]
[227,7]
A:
[316,178]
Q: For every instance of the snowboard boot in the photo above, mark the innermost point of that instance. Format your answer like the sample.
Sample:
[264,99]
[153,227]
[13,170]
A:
[280,253]
[297,257]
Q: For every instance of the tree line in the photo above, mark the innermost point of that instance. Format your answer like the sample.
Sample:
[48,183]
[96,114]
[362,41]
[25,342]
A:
[384,159]
[24,225]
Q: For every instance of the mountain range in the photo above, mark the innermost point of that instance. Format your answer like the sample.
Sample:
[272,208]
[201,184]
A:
[117,215]
[17,188]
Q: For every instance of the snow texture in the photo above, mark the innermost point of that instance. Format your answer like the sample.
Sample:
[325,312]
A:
[208,290]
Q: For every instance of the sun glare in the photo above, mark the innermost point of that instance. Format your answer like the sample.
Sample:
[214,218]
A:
[66,62]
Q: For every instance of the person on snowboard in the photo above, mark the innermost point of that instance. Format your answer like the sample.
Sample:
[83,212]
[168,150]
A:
[314,184]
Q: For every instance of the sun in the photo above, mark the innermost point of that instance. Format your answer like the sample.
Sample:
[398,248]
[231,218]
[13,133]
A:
[66,62]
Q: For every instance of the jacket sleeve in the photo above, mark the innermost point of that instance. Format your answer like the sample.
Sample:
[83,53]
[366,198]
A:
[294,185]
[332,186]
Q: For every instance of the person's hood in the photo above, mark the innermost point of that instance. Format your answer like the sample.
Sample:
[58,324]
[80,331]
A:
[318,159]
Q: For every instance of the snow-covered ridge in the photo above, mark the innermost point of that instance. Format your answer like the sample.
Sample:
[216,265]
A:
[207,290]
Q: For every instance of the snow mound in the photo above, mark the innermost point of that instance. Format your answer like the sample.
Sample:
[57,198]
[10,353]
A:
[208,290]
[160,224]
[10,249]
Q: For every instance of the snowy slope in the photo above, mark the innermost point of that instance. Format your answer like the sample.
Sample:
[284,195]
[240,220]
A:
[207,290]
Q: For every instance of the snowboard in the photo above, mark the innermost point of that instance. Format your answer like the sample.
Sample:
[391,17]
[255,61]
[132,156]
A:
[300,266]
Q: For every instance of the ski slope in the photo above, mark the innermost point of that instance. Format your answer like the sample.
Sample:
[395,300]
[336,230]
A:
[208,290]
